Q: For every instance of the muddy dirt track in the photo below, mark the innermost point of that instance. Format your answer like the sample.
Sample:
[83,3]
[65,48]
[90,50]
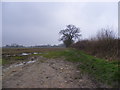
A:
[46,73]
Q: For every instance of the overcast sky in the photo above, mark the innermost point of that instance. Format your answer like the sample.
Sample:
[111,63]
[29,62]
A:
[30,23]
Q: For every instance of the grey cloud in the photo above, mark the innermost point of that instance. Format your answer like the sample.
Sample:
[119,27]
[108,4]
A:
[31,23]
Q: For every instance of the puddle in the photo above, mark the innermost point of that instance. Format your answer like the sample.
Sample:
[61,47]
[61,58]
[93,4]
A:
[22,54]
[21,64]
[25,54]
[16,65]
[35,53]
[8,55]
[31,61]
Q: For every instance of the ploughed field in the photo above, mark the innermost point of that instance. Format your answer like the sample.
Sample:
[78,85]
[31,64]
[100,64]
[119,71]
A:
[55,68]
[12,55]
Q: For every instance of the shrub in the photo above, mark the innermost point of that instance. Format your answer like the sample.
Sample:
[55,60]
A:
[105,44]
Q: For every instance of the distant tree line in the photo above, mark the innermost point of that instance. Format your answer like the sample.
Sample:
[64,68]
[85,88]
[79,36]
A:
[35,46]
[48,46]
[13,46]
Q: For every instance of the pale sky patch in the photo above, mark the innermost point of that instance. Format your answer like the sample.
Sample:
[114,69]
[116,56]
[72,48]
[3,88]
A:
[30,23]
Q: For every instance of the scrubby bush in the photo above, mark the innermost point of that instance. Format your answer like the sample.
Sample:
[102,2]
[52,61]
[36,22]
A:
[104,44]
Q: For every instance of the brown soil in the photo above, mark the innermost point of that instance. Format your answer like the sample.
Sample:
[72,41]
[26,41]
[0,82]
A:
[46,73]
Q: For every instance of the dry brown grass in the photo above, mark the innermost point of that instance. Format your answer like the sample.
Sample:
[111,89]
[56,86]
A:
[15,54]
[104,45]
[11,51]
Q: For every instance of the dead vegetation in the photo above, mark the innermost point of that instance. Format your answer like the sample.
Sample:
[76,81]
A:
[11,51]
[105,45]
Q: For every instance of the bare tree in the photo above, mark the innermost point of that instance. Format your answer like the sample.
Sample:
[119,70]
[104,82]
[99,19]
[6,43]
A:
[69,35]
[105,34]
[105,44]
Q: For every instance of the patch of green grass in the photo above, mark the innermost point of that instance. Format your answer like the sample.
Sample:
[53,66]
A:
[4,62]
[19,57]
[13,59]
[53,54]
[36,54]
[0,61]
[102,70]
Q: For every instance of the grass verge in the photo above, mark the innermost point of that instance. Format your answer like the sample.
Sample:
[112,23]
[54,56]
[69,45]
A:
[102,70]
[0,61]
[15,59]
